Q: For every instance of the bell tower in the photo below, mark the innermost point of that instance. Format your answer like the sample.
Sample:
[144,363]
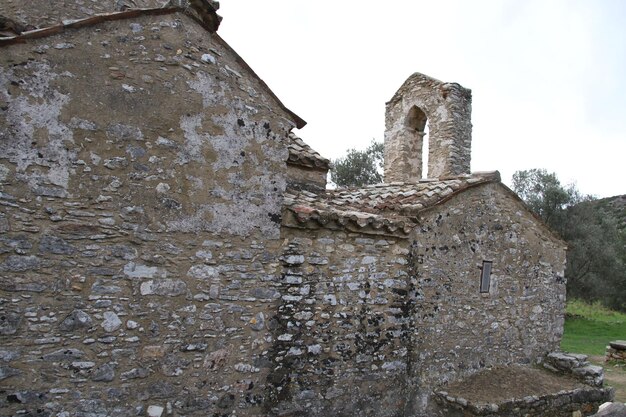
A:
[446,107]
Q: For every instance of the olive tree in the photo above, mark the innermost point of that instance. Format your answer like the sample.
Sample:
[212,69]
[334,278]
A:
[358,168]
[596,256]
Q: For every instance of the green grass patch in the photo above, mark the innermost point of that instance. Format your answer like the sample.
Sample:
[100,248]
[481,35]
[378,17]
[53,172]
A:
[590,337]
[590,327]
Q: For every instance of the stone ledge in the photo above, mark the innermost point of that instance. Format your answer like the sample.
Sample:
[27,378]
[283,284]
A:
[575,365]
[515,390]
[563,403]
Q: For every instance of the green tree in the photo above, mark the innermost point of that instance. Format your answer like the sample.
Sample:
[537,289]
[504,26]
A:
[359,168]
[596,258]
[543,193]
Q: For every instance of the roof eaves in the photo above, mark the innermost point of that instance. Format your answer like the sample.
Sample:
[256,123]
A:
[304,217]
[301,154]
[299,122]
[539,220]
[476,179]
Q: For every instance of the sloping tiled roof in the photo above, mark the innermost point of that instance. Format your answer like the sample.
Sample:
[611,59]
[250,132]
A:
[383,209]
[302,154]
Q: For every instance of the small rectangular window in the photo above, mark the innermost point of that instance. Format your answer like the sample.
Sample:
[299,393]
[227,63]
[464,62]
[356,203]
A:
[485,276]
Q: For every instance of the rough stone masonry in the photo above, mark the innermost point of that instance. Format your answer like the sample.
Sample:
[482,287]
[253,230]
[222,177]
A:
[167,247]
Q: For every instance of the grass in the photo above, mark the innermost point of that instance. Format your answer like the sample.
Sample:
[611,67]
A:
[614,376]
[588,329]
[595,311]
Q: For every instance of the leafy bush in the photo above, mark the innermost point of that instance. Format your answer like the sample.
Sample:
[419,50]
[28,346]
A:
[596,257]
[359,168]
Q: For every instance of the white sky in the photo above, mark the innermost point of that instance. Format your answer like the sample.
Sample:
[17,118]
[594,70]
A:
[548,77]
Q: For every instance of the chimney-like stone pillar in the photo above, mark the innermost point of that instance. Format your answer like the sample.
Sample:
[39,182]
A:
[447,109]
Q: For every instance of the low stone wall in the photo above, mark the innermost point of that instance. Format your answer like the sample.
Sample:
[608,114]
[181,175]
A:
[616,351]
[578,402]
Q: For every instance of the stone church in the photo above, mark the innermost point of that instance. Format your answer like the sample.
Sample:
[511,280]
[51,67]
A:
[168,246]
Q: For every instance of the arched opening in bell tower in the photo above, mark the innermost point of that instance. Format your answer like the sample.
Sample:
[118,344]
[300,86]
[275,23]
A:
[417,123]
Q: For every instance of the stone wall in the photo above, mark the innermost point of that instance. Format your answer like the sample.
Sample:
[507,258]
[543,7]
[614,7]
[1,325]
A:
[447,107]
[142,170]
[565,403]
[306,168]
[519,320]
[616,351]
[145,267]
[343,326]
[575,365]
[406,315]
[303,178]
[46,13]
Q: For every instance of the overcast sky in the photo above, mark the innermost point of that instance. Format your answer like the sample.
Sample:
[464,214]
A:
[548,77]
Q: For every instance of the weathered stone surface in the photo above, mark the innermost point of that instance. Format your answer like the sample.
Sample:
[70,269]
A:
[168,287]
[9,323]
[8,355]
[258,322]
[77,319]
[104,373]
[111,321]
[577,365]
[611,410]
[64,355]
[174,365]
[618,344]
[134,270]
[135,373]
[265,293]
[150,267]
[56,245]
[7,372]
[155,411]
[447,108]
[17,263]
[618,355]
[306,169]
[203,272]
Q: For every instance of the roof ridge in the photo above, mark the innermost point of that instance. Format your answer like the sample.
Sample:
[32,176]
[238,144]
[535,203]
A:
[473,177]
[395,203]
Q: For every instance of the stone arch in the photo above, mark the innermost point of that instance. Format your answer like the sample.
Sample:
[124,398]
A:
[446,107]
[417,121]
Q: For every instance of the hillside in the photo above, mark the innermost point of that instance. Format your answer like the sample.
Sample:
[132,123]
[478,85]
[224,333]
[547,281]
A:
[596,235]
[615,207]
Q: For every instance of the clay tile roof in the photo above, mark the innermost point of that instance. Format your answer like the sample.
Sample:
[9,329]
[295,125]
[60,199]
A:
[386,208]
[302,154]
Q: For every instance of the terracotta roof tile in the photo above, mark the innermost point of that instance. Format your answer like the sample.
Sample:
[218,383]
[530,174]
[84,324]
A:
[386,208]
[302,154]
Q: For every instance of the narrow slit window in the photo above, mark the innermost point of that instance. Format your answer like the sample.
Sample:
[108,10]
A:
[485,276]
